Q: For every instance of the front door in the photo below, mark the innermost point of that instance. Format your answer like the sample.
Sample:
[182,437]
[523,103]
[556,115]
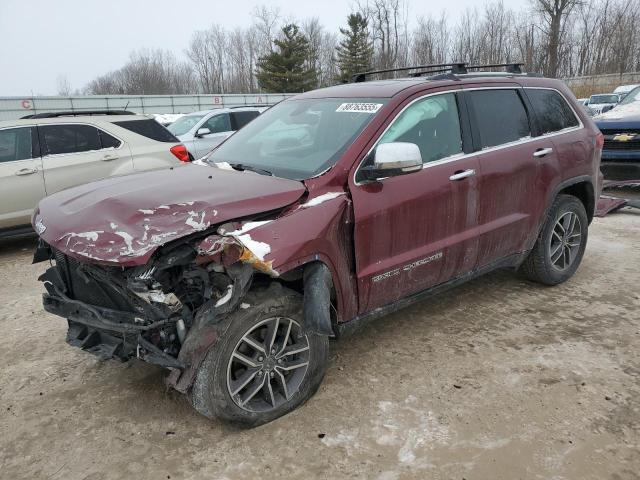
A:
[21,179]
[417,230]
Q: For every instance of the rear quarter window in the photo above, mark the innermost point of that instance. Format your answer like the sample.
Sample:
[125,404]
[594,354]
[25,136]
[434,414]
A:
[500,116]
[148,128]
[552,111]
[240,119]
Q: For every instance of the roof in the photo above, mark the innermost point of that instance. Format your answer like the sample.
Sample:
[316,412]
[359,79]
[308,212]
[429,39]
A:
[93,119]
[390,88]
[241,108]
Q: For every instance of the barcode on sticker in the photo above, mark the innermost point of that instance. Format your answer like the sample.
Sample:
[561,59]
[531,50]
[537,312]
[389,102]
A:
[359,107]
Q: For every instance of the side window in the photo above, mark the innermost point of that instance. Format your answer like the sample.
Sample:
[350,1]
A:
[69,139]
[15,144]
[108,141]
[500,116]
[551,109]
[218,123]
[240,119]
[433,124]
[148,128]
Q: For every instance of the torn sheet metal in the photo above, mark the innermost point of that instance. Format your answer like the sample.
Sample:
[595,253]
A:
[607,205]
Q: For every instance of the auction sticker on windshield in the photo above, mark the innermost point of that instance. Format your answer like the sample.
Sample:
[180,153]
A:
[359,107]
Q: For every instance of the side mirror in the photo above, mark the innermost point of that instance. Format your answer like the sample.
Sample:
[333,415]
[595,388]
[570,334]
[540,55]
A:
[202,132]
[393,159]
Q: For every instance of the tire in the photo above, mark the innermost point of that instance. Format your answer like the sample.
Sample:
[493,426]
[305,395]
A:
[543,264]
[223,370]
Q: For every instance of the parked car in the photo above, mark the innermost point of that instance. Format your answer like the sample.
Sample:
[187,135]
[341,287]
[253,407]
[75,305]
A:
[234,276]
[621,129]
[624,90]
[202,131]
[602,102]
[45,153]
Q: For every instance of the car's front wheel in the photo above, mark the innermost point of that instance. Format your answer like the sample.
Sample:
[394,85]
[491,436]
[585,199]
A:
[265,365]
[560,246]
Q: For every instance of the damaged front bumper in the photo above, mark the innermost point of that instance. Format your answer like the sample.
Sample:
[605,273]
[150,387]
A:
[168,312]
[109,334]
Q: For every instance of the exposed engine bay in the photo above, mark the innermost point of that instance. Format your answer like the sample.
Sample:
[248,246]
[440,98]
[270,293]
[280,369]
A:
[147,311]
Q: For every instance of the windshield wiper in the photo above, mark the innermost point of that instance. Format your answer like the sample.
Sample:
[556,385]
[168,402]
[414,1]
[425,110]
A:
[240,167]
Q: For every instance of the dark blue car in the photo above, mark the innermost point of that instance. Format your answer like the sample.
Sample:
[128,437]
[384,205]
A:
[621,130]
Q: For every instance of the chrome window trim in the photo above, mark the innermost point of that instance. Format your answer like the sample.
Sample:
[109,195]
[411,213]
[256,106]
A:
[455,158]
[108,149]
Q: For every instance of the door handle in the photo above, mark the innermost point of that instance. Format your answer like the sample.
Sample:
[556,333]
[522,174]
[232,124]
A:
[541,152]
[109,156]
[26,171]
[462,174]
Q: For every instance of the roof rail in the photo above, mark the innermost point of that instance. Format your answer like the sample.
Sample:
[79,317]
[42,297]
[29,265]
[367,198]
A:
[456,68]
[514,68]
[78,113]
[250,105]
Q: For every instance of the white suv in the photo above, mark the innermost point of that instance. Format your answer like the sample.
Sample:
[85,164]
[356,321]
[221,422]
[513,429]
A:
[202,131]
[44,153]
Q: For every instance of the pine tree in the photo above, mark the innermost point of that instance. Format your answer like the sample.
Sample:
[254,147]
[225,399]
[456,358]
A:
[355,50]
[283,70]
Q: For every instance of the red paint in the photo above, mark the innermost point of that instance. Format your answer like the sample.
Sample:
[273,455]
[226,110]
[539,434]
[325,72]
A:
[422,225]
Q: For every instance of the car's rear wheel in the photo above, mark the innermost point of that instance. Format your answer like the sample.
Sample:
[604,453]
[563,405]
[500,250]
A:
[265,365]
[560,246]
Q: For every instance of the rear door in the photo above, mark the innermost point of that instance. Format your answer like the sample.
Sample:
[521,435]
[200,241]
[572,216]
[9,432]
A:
[73,154]
[417,230]
[220,128]
[512,196]
[21,178]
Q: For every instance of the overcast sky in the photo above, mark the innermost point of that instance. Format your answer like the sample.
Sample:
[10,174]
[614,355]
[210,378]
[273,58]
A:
[81,39]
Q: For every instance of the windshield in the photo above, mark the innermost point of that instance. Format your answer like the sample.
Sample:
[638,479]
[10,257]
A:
[184,124]
[299,139]
[597,99]
[633,96]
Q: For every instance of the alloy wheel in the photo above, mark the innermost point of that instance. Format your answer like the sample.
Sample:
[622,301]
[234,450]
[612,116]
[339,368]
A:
[566,238]
[268,365]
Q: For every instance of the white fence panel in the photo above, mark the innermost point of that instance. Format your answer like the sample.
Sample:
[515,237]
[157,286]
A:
[16,107]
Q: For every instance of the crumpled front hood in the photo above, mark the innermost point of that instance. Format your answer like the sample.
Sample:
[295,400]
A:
[123,220]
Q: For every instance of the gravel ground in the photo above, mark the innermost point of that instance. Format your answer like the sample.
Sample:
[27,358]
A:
[499,378]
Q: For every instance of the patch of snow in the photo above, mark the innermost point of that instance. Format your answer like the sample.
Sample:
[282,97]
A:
[244,306]
[223,166]
[321,199]
[113,225]
[147,212]
[620,112]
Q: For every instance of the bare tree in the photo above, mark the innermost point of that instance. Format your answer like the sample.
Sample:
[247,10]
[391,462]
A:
[554,15]
[63,86]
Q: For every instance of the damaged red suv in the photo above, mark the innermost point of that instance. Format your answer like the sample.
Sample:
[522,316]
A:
[331,209]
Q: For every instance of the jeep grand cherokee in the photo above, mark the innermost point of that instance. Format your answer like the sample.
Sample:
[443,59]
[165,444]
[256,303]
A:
[333,208]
